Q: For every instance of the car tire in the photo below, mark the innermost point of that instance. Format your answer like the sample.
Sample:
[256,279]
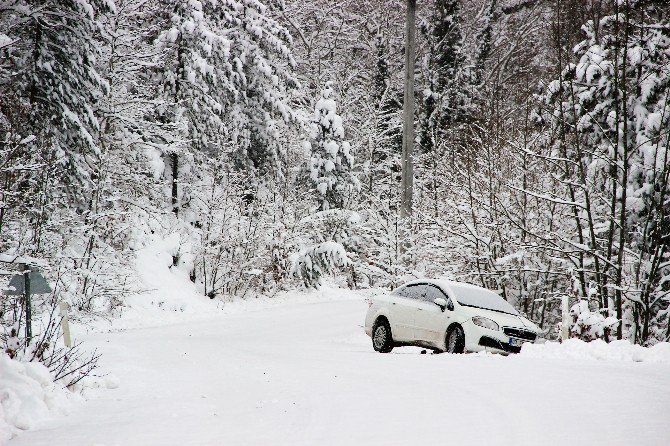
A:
[455,340]
[382,341]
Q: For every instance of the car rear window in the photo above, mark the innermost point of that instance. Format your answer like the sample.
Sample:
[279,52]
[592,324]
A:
[480,298]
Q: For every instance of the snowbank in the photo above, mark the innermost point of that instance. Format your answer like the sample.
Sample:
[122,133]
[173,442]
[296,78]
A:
[168,295]
[28,395]
[598,350]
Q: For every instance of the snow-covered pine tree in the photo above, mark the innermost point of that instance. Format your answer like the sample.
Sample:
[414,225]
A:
[446,95]
[228,78]
[194,54]
[332,180]
[331,161]
[225,75]
[648,79]
[56,58]
[265,80]
[484,40]
[50,90]
[387,145]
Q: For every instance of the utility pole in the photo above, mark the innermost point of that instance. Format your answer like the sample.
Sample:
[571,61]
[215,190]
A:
[408,122]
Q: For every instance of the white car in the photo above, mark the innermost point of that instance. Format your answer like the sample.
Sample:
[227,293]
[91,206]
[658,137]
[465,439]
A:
[446,316]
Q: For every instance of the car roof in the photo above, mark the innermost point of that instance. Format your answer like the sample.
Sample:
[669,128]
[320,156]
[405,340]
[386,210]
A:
[456,290]
[445,284]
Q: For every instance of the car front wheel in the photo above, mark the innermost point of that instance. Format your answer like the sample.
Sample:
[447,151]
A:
[382,341]
[455,340]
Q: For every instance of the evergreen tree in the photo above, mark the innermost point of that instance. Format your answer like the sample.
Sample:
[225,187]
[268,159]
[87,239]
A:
[50,91]
[331,161]
[62,86]
[316,261]
[262,110]
[387,147]
[447,55]
[445,99]
[484,41]
[227,80]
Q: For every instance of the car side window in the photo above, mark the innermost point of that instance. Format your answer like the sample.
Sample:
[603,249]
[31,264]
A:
[400,292]
[411,292]
[433,293]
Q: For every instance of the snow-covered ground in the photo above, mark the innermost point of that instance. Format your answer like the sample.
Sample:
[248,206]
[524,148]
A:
[305,374]
[297,369]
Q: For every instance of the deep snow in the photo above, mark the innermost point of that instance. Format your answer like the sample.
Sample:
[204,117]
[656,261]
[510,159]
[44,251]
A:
[305,374]
[297,369]
[28,395]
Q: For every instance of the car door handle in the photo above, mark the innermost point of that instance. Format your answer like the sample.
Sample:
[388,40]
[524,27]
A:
[392,303]
[420,309]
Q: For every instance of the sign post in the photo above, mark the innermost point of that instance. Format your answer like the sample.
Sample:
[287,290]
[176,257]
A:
[27,283]
[29,309]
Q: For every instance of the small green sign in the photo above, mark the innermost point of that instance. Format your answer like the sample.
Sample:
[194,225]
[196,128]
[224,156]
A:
[38,285]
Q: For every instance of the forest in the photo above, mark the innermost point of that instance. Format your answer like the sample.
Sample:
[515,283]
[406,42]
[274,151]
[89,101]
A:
[261,140]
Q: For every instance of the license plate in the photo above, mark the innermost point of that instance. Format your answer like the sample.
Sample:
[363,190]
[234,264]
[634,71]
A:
[516,342]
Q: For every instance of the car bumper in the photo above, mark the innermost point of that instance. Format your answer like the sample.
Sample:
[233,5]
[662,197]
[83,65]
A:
[479,339]
[369,320]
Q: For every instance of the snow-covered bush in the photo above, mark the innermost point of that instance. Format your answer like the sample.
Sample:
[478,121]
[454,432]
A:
[237,246]
[588,325]
[314,262]
[67,364]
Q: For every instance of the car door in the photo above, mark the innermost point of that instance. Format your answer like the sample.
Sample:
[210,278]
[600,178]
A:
[403,310]
[430,321]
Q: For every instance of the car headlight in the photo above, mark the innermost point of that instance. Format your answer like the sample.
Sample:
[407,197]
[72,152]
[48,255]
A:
[485,322]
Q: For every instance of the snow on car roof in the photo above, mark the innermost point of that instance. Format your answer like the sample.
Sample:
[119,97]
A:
[472,295]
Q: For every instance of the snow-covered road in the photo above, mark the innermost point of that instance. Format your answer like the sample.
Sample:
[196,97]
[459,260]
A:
[306,374]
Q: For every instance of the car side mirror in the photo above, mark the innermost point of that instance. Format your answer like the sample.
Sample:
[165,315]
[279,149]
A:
[440,302]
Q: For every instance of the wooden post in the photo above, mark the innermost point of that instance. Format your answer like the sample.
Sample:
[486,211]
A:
[565,317]
[65,324]
[29,309]
[407,186]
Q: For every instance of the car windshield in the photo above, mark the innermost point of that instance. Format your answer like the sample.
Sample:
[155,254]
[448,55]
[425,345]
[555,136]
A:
[481,298]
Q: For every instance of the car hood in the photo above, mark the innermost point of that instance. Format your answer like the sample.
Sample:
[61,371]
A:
[502,319]
[530,325]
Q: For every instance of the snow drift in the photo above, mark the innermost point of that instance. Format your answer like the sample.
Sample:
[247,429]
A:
[598,350]
[28,395]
